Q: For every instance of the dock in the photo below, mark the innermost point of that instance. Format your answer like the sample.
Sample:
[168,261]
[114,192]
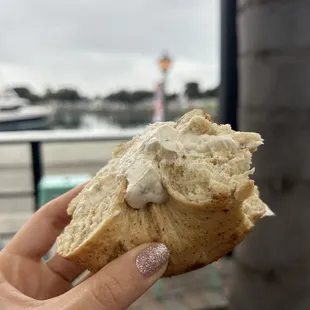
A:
[127,115]
[202,289]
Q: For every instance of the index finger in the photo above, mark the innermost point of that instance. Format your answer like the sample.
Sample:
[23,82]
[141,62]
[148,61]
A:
[38,235]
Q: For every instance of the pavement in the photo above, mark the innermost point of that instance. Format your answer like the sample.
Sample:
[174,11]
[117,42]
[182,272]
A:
[205,288]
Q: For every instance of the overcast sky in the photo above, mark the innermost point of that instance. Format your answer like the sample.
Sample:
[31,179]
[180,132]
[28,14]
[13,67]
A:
[100,46]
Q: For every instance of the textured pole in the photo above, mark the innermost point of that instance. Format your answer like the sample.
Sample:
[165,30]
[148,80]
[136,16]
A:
[165,103]
[272,269]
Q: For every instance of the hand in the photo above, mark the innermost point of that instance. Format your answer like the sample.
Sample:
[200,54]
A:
[26,282]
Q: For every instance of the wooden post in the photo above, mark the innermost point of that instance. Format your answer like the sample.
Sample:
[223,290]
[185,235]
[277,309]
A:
[229,73]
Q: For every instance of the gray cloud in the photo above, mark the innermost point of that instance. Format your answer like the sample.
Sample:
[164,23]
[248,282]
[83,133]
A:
[103,45]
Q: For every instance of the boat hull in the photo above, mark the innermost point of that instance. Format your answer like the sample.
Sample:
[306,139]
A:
[36,123]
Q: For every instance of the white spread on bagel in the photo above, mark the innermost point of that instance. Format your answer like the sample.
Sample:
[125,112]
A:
[162,142]
[144,185]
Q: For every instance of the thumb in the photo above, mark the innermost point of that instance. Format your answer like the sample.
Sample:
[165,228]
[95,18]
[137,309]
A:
[121,282]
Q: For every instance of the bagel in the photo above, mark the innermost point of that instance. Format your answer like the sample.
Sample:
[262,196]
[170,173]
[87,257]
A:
[186,184]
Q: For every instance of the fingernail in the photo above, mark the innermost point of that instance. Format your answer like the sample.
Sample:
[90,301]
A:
[151,259]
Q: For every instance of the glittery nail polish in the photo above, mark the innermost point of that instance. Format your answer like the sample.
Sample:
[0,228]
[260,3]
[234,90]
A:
[151,259]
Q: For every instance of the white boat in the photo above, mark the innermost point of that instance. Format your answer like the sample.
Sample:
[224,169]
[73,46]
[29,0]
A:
[18,114]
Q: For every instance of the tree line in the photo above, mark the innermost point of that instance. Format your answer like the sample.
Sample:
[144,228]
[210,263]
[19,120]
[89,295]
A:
[192,91]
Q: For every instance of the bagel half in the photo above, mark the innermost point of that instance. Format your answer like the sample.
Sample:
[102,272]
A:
[183,183]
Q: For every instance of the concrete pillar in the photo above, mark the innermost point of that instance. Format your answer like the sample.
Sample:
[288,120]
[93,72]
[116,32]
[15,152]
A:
[272,268]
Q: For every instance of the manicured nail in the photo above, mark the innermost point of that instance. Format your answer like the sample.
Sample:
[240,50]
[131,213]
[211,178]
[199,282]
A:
[152,259]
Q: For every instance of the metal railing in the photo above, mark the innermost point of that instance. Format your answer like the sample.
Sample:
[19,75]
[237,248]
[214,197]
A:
[35,139]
